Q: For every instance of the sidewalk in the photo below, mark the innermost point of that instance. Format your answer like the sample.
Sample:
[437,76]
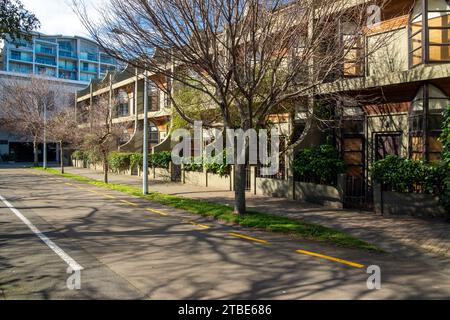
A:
[407,236]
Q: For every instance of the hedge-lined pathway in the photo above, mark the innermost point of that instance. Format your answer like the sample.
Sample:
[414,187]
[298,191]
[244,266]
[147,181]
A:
[411,237]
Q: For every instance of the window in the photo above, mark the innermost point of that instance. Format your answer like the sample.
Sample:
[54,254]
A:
[386,145]
[153,133]
[353,45]
[153,97]
[430,19]
[123,109]
[425,122]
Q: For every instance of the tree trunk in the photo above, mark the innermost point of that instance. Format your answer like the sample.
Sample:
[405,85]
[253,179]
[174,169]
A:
[239,187]
[105,168]
[36,153]
[61,156]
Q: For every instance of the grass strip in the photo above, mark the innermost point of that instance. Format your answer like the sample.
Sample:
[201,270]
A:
[252,219]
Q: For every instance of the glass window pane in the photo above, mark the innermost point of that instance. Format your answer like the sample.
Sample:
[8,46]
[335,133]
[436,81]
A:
[438,19]
[440,53]
[438,5]
[434,145]
[439,36]
[439,104]
[417,144]
[416,41]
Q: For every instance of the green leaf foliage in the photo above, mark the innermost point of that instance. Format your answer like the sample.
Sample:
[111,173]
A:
[319,165]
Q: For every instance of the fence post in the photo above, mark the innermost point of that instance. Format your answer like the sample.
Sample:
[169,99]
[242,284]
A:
[378,198]
[289,175]
[232,177]
[183,174]
[342,186]
[205,172]
[253,179]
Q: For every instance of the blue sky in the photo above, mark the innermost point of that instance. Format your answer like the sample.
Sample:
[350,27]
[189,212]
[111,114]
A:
[57,17]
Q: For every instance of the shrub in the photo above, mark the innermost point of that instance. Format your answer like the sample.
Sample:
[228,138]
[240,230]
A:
[215,167]
[194,167]
[78,155]
[405,175]
[160,160]
[136,160]
[320,165]
[400,175]
[445,139]
[119,162]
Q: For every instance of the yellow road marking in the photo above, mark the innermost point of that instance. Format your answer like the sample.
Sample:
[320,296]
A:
[129,203]
[203,226]
[108,196]
[156,211]
[318,255]
[248,238]
[69,184]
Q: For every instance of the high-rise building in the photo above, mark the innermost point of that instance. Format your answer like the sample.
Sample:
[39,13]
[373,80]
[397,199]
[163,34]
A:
[64,57]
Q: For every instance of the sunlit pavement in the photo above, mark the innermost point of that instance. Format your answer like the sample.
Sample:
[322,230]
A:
[129,248]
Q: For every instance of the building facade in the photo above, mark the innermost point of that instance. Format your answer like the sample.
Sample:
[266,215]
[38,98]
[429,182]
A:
[18,147]
[395,98]
[127,87]
[70,58]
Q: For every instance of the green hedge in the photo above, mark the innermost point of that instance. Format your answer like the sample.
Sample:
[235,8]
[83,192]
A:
[319,165]
[136,160]
[119,162]
[194,167]
[215,167]
[445,139]
[78,155]
[160,160]
[406,175]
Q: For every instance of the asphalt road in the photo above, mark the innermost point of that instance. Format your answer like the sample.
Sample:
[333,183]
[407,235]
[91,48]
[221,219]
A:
[129,248]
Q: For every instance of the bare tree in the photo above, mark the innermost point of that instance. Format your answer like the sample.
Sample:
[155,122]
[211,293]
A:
[100,135]
[247,57]
[63,129]
[23,105]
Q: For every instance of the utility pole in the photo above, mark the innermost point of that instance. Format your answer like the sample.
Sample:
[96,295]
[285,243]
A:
[145,151]
[45,138]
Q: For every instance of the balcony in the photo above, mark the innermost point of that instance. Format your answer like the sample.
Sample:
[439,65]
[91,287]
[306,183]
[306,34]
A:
[67,67]
[90,70]
[89,56]
[21,57]
[46,51]
[46,61]
[68,76]
[67,54]
[20,69]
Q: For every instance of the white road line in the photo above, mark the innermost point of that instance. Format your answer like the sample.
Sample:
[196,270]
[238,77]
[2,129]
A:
[60,252]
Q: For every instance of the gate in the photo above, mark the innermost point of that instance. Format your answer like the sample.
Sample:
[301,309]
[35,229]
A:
[358,191]
[358,194]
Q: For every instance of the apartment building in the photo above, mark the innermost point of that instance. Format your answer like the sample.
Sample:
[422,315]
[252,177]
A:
[395,98]
[127,87]
[69,58]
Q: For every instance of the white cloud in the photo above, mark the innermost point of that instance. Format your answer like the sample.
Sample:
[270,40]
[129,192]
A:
[57,17]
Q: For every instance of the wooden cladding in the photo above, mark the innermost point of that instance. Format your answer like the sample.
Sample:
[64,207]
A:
[387,25]
[387,108]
